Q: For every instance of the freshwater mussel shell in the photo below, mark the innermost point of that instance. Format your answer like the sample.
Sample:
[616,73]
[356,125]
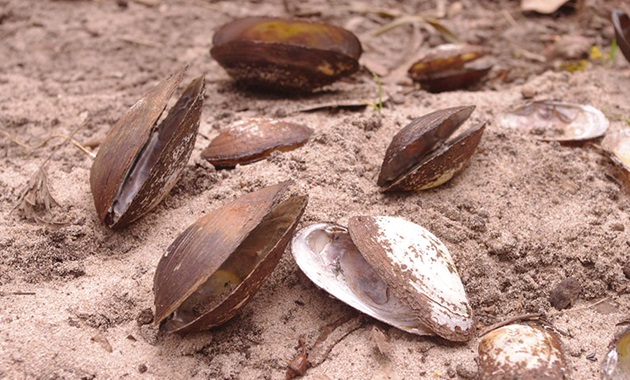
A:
[617,144]
[423,155]
[449,67]
[391,269]
[522,352]
[287,55]
[113,178]
[234,248]
[251,140]
[616,365]
[621,24]
[558,121]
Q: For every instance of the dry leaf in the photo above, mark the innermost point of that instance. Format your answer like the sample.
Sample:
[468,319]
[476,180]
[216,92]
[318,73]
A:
[35,201]
[381,341]
[103,342]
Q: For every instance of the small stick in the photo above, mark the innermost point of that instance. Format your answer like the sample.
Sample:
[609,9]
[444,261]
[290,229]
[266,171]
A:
[522,317]
[582,308]
[17,294]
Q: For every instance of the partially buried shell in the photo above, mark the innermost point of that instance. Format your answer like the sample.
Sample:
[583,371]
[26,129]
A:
[216,265]
[423,154]
[254,139]
[391,269]
[139,162]
[621,24]
[449,67]
[617,144]
[554,120]
[616,365]
[522,352]
[287,55]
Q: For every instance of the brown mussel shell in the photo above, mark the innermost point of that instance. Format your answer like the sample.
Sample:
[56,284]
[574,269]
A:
[621,24]
[447,68]
[522,352]
[139,162]
[216,265]
[251,140]
[421,156]
[285,55]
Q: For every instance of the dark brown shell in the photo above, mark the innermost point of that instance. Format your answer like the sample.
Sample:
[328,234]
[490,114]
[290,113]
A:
[286,55]
[447,68]
[254,139]
[126,143]
[420,156]
[621,24]
[256,223]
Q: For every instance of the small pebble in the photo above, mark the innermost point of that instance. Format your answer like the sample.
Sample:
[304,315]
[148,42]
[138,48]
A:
[465,372]
[145,317]
[142,368]
[528,92]
[592,357]
[565,293]
[618,227]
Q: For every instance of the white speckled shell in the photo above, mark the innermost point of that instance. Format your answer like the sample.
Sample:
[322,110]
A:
[521,352]
[425,295]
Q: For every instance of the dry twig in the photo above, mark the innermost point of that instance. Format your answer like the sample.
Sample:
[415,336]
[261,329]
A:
[36,201]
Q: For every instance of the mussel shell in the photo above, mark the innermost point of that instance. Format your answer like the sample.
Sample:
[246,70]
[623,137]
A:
[391,269]
[287,55]
[127,141]
[617,144]
[418,138]
[621,24]
[446,68]
[445,158]
[522,352]
[616,365]
[544,7]
[559,121]
[254,139]
[202,249]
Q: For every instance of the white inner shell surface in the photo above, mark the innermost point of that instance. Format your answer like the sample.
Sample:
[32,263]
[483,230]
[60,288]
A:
[327,255]
[549,120]
[428,267]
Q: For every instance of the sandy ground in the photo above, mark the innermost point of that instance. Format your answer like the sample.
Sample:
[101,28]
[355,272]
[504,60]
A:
[523,216]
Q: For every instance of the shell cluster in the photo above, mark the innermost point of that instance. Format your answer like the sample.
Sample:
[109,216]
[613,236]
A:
[387,267]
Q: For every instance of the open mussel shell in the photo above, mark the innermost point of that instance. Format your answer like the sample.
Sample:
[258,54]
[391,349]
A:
[621,24]
[423,154]
[559,121]
[252,140]
[216,265]
[617,144]
[391,269]
[139,162]
[522,352]
[448,67]
[286,55]
[616,365]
